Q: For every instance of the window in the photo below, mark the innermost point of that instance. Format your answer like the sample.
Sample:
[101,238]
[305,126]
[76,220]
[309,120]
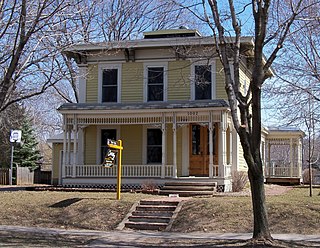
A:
[105,135]
[110,85]
[154,146]
[203,82]
[155,83]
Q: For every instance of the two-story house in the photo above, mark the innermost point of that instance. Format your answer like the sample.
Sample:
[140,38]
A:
[164,96]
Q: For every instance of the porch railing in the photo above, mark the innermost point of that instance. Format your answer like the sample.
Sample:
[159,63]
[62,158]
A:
[282,171]
[127,171]
[216,171]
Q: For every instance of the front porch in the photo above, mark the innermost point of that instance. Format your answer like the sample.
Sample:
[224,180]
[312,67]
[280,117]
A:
[284,156]
[196,140]
[133,176]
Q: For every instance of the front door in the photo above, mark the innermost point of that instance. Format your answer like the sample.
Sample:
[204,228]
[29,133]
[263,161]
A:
[199,150]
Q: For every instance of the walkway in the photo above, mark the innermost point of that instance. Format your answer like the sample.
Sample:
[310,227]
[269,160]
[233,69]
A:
[123,239]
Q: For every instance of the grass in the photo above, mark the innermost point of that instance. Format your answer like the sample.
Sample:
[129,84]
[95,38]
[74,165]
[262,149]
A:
[292,212]
[77,210]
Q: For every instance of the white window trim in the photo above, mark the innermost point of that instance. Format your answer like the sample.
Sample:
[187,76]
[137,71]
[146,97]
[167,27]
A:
[145,79]
[213,78]
[98,151]
[106,67]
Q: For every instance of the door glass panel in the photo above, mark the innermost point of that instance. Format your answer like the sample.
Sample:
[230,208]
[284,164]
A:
[196,149]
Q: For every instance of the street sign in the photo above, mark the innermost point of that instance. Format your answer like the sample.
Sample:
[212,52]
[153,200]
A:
[15,136]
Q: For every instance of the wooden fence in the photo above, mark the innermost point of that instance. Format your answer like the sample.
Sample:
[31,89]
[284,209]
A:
[4,176]
[24,176]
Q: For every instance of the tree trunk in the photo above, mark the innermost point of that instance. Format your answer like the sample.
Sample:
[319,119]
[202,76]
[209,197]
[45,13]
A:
[261,230]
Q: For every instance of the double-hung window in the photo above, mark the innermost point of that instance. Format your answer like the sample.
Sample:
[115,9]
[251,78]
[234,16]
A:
[203,82]
[154,146]
[155,80]
[105,135]
[109,83]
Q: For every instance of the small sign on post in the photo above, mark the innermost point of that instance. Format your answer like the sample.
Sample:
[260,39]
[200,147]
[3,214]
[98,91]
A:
[15,137]
[115,147]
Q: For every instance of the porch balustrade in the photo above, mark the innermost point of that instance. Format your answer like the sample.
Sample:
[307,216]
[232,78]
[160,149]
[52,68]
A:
[134,171]
[282,171]
[127,171]
[218,173]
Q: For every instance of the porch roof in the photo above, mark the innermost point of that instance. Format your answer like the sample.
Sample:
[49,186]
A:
[168,105]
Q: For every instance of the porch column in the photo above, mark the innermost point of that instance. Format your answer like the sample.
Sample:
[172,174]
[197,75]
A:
[75,127]
[62,173]
[269,165]
[230,145]
[174,129]
[68,147]
[211,147]
[222,145]
[291,157]
[163,159]
[80,157]
[299,162]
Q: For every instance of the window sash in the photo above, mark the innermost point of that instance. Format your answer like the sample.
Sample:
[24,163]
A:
[110,85]
[154,146]
[155,83]
[105,135]
[203,82]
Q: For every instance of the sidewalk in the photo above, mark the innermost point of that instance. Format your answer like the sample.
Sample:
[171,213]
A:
[137,238]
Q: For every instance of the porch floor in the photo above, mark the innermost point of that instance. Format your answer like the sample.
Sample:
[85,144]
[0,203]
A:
[284,180]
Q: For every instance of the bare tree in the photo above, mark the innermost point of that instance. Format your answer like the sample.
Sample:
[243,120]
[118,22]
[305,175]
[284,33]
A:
[25,64]
[227,21]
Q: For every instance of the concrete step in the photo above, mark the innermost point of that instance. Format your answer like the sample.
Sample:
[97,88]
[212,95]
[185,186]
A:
[146,226]
[159,202]
[154,213]
[149,219]
[155,208]
[190,183]
[185,193]
[188,188]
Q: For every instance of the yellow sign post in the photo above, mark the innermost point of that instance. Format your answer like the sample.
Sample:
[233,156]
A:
[118,146]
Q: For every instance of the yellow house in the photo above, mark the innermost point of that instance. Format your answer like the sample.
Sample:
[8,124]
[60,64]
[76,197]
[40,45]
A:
[164,96]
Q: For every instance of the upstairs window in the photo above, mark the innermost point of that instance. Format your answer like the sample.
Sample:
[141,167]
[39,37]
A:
[155,83]
[110,85]
[203,82]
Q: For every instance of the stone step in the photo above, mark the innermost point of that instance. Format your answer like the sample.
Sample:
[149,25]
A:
[152,213]
[159,202]
[185,193]
[188,188]
[190,183]
[146,226]
[155,208]
[149,219]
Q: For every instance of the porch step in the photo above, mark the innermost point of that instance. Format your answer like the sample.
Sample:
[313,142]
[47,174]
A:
[152,215]
[188,188]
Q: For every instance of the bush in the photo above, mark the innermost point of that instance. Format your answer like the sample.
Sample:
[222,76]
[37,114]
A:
[239,180]
[305,176]
[148,186]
